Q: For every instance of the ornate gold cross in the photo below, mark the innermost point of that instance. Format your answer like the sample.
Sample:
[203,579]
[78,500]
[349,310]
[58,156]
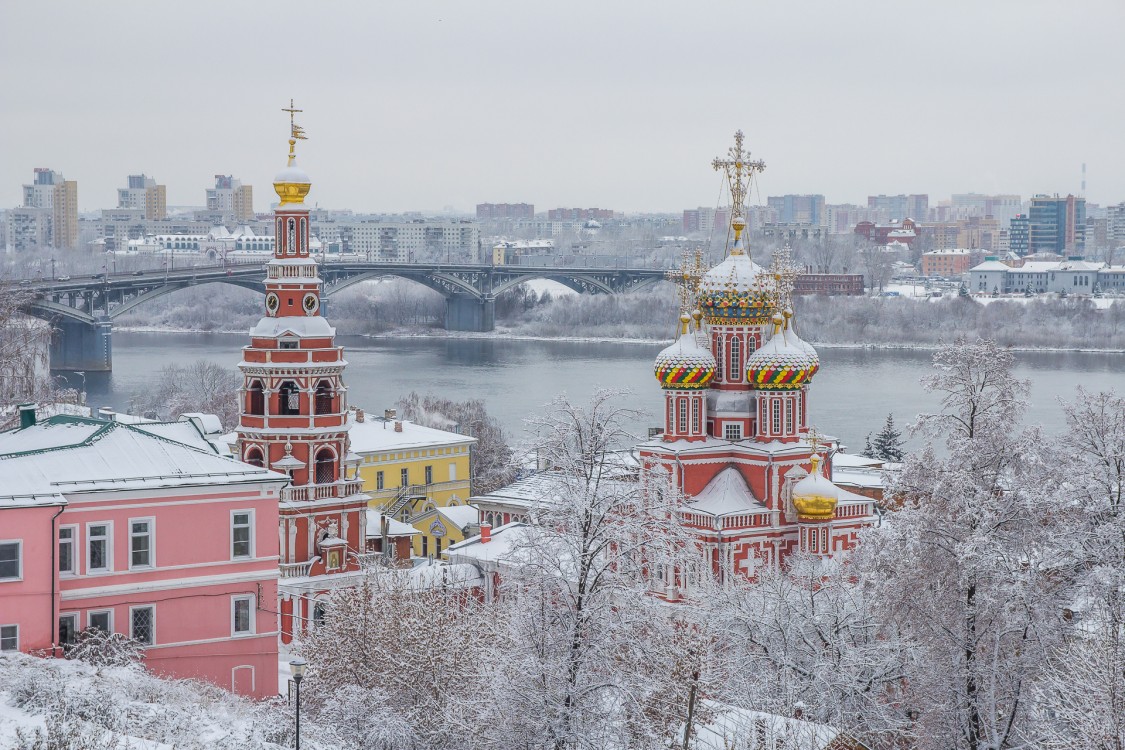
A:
[784,273]
[739,170]
[687,278]
[296,132]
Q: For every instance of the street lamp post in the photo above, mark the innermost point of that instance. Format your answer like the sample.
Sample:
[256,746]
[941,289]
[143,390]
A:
[297,667]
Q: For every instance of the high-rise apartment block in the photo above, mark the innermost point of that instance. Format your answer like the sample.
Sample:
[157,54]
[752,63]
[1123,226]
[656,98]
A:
[232,199]
[899,207]
[704,220]
[1115,224]
[799,209]
[143,194]
[1058,225]
[1019,234]
[48,216]
[493,211]
[579,214]
[1003,208]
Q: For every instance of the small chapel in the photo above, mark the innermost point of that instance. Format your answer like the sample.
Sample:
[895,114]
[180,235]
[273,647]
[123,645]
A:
[738,439]
[294,416]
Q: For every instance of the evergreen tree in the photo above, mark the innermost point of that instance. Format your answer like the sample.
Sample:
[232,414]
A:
[888,443]
[963,291]
[868,449]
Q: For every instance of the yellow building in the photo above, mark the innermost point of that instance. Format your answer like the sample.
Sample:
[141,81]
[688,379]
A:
[409,470]
[443,527]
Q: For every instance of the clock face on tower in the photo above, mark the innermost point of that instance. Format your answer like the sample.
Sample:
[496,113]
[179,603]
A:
[311,303]
[271,303]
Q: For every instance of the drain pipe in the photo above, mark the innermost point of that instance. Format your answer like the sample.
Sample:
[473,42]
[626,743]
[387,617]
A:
[53,622]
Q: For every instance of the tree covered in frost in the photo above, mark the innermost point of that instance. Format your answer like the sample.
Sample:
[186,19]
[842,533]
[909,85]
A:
[888,443]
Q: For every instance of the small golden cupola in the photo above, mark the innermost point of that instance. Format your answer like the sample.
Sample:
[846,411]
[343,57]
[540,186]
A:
[815,496]
[292,184]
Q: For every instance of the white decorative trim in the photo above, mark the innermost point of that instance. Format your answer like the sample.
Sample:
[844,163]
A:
[253,576]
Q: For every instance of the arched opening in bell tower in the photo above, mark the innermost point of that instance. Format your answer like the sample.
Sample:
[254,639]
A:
[254,456]
[288,399]
[255,399]
[324,397]
[325,466]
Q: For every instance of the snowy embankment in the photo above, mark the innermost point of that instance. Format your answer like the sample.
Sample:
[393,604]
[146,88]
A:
[77,705]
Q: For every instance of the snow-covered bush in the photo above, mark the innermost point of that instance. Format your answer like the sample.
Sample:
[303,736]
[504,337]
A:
[102,649]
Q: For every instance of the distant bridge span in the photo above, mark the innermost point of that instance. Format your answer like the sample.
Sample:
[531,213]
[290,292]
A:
[83,310]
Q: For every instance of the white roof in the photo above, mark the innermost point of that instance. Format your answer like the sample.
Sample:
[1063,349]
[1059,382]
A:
[725,495]
[305,326]
[462,515]
[506,545]
[375,434]
[394,527]
[736,271]
[991,265]
[842,460]
[730,724]
[72,455]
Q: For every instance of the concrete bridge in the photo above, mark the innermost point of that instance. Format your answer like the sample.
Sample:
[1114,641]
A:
[82,310]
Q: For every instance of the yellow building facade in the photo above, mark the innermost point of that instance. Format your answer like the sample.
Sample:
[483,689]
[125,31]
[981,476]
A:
[409,470]
[442,527]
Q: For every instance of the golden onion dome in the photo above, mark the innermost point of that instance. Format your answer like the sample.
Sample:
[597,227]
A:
[686,364]
[815,497]
[292,184]
[785,362]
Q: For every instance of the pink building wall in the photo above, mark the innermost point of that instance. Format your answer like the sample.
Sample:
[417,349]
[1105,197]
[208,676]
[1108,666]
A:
[26,603]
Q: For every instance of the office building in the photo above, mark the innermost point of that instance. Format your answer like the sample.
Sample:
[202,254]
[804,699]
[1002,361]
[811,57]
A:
[1057,225]
[799,209]
[898,207]
[49,215]
[144,195]
[231,199]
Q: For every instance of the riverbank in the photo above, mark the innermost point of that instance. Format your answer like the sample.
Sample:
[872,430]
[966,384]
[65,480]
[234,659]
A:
[515,335]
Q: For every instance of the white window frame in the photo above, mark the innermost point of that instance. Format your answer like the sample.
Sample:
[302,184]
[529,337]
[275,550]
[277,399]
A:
[90,616]
[75,628]
[151,521]
[152,621]
[19,560]
[732,431]
[249,512]
[234,601]
[17,636]
[74,539]
[90,570]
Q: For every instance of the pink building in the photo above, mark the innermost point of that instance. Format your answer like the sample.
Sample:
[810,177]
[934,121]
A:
[143,530]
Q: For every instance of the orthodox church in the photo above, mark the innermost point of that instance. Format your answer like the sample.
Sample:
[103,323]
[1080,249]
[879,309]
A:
[737,439]
[294,416]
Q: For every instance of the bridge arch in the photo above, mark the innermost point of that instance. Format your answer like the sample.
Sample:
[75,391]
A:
[444,284]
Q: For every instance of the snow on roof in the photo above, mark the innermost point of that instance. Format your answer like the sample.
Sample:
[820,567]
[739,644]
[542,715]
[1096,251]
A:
[305,326]
[72,454]
[509,543]
[458,575]
[991,265]
[857,477]
[182,432]
[208,424]
[377,434]
[727,494]
[730,724]
[461,515]
[394,527]
[849,460]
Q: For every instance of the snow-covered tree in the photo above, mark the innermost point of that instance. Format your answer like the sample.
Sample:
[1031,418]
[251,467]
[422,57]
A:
[587,657]
[201,386]
[969,571]
[888,443]
[492,458]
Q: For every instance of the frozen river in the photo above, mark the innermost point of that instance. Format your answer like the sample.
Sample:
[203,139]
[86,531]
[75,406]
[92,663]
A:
[851,395]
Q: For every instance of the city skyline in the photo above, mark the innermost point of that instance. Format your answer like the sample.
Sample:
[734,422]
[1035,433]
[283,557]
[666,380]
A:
[422,107]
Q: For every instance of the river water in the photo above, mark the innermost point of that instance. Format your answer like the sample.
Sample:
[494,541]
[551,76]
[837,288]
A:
[850,397]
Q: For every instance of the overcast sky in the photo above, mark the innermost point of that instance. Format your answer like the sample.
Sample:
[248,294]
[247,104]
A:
[420,104]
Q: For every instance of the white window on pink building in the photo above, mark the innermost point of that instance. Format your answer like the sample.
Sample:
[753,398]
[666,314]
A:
[142,624]
[11,559]
[99,547]
[68,561]
[142,543]
[241,534]
[101,619]
[9,637]
[242,615]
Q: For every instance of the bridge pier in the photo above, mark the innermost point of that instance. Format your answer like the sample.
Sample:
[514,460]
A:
[78,346]
[464,312]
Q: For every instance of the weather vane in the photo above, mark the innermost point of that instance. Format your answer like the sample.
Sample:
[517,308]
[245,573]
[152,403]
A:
[739,170]
[296,132]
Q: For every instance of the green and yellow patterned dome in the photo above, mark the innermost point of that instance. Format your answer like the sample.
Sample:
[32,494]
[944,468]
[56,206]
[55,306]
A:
[686,364]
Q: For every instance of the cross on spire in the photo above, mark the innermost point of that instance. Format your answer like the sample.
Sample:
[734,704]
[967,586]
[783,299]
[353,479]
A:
[784,272]
[739,170]
[815,439]
[687,278]
[296,132]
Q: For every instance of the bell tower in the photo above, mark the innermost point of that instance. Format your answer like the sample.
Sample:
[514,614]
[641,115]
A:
[294,412]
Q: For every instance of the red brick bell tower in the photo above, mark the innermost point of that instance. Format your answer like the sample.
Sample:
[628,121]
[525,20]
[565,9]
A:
[294,414]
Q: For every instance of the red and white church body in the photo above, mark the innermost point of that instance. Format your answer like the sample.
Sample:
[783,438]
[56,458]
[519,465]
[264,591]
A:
[737,440]
[294,417]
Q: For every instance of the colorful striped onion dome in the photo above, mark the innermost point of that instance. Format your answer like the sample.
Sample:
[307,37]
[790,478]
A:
[686,364]
[732,293]
[785,361]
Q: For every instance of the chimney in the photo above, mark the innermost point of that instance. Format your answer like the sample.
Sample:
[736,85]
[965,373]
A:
[390,414]
[485,533]
[359,415]
[398,426]
[27,415]
[106,413]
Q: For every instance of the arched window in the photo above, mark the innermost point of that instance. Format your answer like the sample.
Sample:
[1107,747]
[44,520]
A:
[291,238]
[735,372]
[325,466]
[288,399]
[324,397]
[719,356]
[255,398]
[788,416]
[254,456]
[683,416]
[304,234]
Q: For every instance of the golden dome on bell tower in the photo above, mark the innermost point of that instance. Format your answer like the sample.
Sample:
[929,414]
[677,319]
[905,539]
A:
[292,184]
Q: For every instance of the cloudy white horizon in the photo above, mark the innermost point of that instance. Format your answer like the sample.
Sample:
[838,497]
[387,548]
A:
[622,105]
